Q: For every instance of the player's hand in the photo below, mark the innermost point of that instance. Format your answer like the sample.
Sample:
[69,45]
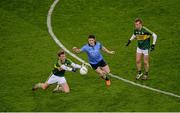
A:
[152,47]
[112,52]
[129,41]
[74,69]
[74,49]
[86,65]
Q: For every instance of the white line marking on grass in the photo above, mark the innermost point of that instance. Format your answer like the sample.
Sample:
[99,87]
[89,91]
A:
[82,61]
[145,87]
[50,30]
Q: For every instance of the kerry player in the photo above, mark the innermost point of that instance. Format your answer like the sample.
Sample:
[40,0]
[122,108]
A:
[93,50]
[58,74]
[143,35]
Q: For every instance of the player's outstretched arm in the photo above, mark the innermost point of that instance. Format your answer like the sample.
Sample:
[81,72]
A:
[107,51]
[64,67]
[76,50]
[77,66]
[154,41]
[132,38]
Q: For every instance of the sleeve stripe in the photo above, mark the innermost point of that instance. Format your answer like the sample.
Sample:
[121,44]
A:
[147,29]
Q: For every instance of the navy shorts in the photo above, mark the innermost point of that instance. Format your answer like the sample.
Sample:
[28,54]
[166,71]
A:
[101,63]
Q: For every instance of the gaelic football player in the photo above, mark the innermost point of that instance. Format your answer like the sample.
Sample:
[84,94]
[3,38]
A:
[143,35]
[58,74]
[93,48]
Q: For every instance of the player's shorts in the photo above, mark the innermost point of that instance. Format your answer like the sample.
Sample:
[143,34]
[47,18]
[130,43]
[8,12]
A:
[102,63]
[144,52]
[56,79]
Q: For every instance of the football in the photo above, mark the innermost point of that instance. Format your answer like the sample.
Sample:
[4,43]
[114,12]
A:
[83,70]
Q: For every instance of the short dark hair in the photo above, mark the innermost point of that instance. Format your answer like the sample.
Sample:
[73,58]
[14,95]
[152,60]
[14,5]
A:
[138,20]
[91,36]
[60,52]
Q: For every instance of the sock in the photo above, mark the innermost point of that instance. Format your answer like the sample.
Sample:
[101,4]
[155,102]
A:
[59,87]
[139,72]
[105,77]
[39,85]
[146,73]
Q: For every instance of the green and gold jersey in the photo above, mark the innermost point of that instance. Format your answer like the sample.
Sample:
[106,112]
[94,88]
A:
[143,37]
[58,64]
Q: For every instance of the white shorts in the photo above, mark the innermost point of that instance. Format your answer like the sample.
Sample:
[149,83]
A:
[56,79]
[144,52]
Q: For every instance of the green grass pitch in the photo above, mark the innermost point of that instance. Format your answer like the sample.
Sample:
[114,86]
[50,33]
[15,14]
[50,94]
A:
[28,54]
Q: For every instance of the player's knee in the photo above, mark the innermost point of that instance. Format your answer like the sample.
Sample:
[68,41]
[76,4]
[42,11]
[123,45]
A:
[108,71]
[66,90]
[44,86]
[146,63]
[138,61]
[101,73]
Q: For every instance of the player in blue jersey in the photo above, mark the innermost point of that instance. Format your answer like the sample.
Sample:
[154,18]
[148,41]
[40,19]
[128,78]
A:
[95,57]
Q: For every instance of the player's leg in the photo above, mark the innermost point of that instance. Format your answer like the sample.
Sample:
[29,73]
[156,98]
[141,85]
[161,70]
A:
[40,85]
[65,87]
[99,70]
[62,88]
[106,69]
[52,79]
[57,89]
[139,55]
[138,61]
[146,65]
[103,74]
[62,85]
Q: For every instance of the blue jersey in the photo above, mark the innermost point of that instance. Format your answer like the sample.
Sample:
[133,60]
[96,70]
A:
[93,52]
